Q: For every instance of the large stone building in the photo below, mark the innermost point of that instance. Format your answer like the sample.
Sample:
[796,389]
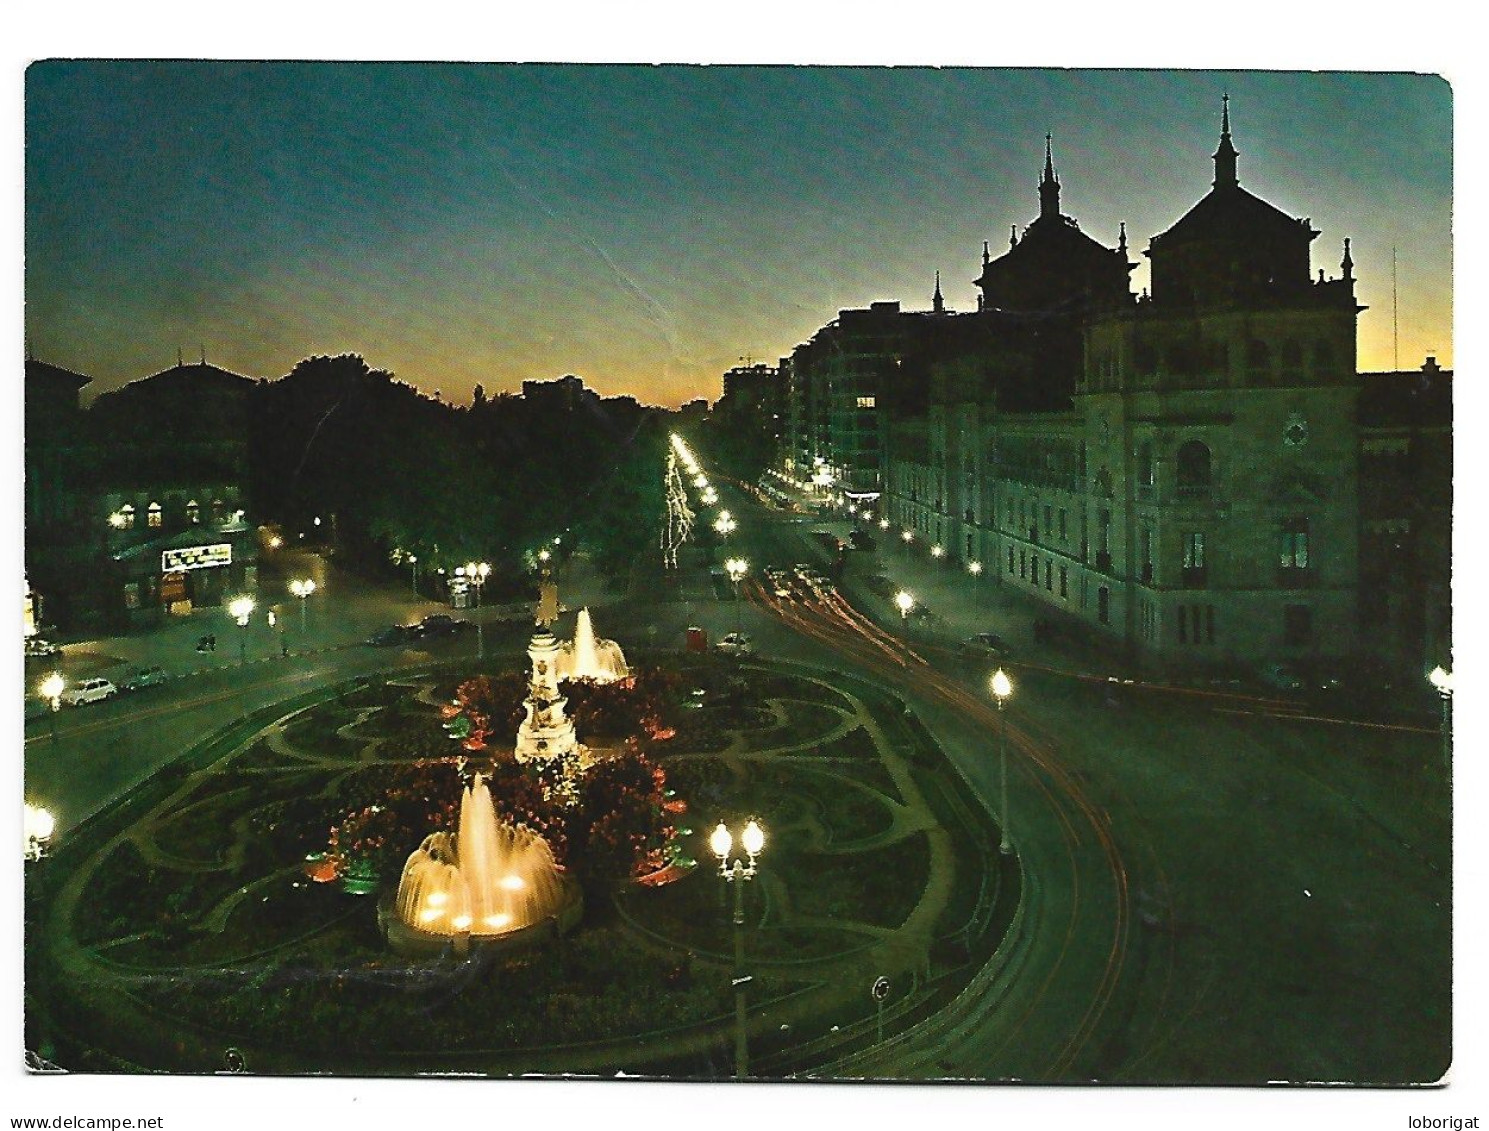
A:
[149,516]
[1194,474]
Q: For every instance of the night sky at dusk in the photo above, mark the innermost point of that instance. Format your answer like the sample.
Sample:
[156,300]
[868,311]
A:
[645,228]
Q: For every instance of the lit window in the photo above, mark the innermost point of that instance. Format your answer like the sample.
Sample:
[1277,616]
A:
[193,512]
[155,517]
[126,517]
[865,402]
[1194,551]
[1294,545]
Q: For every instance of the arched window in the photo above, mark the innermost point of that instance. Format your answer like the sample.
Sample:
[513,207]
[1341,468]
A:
[1145,465]
[1193,468]
[193,512]
[154,515]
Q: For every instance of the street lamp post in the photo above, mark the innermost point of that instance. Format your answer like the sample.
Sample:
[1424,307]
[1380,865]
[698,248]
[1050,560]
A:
[39,826]
[725,524]
[904,602]
[1002,688]
[301,588]
[737,872]
[737,568]
[1443,681]
[241,609]
[51,690]
[975,569]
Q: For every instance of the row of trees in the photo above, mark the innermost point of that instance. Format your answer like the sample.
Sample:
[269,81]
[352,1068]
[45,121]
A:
[401,470]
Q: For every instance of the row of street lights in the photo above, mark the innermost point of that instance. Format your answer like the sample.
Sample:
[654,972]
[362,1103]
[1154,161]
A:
[724,524]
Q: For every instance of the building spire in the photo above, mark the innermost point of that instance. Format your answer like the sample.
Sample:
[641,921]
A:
[986,255]
[1122,239]
[938,304]
[1347,264]
[1225,155]
[1049,187]
[1013,236]
[179,362]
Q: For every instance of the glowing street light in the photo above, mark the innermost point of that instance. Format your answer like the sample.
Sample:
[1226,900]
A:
[737,872]
[884,524]
[904,602]
[241,609]
[301,588]
[51,689]
[1002,687]
[736,568]
[1442,680]
[974,568]
[725,524]
[938,551]
[907,536]
[39,824]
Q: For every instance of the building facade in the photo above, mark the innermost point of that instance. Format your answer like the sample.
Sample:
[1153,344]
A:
[1197,474]
[151,518]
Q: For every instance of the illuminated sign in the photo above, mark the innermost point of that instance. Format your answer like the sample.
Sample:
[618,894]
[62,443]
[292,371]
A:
[196,557]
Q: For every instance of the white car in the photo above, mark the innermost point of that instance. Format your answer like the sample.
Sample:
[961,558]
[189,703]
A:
[89,691]
[735,644]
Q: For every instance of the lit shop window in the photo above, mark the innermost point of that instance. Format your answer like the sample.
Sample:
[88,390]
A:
[123,518]
[193,512]
[865,402]
[154,514]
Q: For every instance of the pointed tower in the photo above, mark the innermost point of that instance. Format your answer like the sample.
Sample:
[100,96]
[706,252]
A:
[1225,155]
[938,304]
[1049,187]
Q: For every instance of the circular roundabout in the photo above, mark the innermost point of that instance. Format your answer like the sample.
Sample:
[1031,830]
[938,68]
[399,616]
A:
[232,901]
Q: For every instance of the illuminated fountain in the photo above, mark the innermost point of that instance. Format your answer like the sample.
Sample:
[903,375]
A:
[589,657]
[488,883]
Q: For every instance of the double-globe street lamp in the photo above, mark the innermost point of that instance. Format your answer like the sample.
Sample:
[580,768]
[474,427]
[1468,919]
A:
[725,524]
[737,872]
[241,608]
[477,573]
[1002,688]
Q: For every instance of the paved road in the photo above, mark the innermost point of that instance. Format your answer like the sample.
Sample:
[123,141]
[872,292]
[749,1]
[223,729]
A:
[1222,889]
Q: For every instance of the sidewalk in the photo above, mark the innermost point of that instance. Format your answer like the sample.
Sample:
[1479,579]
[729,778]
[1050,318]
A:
[953,603]
[343,611]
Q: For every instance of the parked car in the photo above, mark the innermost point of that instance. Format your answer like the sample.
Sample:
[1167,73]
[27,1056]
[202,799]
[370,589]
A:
[93,690]
[1281,676]
[37,648]
[146,678]
[393,635]
[985,644]
[442,624]
[735,644]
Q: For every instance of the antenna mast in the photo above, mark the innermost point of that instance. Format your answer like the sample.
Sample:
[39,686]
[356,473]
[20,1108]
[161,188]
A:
[1395,339]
